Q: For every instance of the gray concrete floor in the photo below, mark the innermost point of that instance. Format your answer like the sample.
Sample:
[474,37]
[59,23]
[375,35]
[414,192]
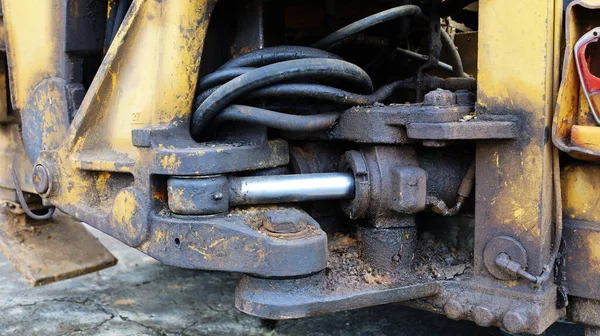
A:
[140,296]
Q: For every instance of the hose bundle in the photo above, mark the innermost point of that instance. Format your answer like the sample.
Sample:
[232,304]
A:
[282,72]
[232,92]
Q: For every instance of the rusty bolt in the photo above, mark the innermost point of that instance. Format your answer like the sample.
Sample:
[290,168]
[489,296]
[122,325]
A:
[483,316]
[514,322]
[454,309]
[279,223]
[41,179]
[440,97]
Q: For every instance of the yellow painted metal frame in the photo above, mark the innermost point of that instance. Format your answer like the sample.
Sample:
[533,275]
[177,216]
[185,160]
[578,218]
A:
[514,189]
[146,84]
[133,123]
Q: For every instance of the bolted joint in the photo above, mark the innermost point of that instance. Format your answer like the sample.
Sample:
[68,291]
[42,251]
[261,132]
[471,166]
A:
[440,97]
[454,309]
[515,322]
[42,179]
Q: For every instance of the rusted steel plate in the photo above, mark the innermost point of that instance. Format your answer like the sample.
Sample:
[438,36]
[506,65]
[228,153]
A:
[59,249]
[463,130]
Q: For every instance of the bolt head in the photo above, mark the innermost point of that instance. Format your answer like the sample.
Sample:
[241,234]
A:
[440,97]
[454,309]
[41,179]
[483,316]
[218,196]
[514,322]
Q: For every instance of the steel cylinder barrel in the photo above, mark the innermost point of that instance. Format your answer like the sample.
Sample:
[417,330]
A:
[290,188]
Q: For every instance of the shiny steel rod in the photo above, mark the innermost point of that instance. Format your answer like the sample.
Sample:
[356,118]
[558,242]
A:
[290,188]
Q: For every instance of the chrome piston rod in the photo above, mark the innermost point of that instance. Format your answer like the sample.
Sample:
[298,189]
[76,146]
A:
[290,188]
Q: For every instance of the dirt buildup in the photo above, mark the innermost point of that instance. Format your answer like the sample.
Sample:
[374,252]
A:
[442,261]
[435,260]
[346,269]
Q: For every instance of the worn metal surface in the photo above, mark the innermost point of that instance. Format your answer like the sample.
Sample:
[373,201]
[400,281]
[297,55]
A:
[514,187]
[294,298]
[38,79]
[59,249]
[239,242]
[144,297]
[470,130]
[580,182]
[129,165]
[388,185]
[198,196]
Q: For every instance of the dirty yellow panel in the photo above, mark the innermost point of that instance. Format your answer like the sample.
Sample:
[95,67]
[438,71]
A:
[515,77]
[36,42]
[580,185]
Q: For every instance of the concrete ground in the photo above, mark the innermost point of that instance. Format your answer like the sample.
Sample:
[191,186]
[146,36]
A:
[140,296]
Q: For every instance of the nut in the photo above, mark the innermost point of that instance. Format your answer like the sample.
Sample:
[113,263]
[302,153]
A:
[483,316]
[454,309]
[514,322]
[440,97]
[284,224]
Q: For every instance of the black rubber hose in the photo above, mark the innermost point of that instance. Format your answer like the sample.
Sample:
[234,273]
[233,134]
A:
[221,77]
[273,74]
[270,55]
[368,22]
[278,120]
[457,65]
[317,91]
[326,93]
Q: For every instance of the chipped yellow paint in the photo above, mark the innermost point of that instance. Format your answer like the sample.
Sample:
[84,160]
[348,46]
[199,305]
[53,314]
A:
[147,78]
[202,252]
[580,185]
[35,39]
[101,182]
[170,162]
[592,242]
[514,178]
[217,242]
[124,209]
[161,237]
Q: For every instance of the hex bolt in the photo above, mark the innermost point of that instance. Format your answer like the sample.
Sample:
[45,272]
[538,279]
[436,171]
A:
[277,223]
[483,316]
[454,309]
[440,97]
[41,179]
[514,322]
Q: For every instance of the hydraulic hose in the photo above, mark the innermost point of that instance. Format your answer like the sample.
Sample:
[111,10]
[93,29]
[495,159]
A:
[457,65]
[312,68]
[257,77]
[277,54]
[321,92]
[368,22]
[282,121]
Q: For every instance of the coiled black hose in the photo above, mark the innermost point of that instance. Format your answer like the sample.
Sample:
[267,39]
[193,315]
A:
[291,71]
[278,66]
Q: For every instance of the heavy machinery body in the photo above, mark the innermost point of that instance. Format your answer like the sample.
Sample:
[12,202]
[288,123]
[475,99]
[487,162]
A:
[337,154]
